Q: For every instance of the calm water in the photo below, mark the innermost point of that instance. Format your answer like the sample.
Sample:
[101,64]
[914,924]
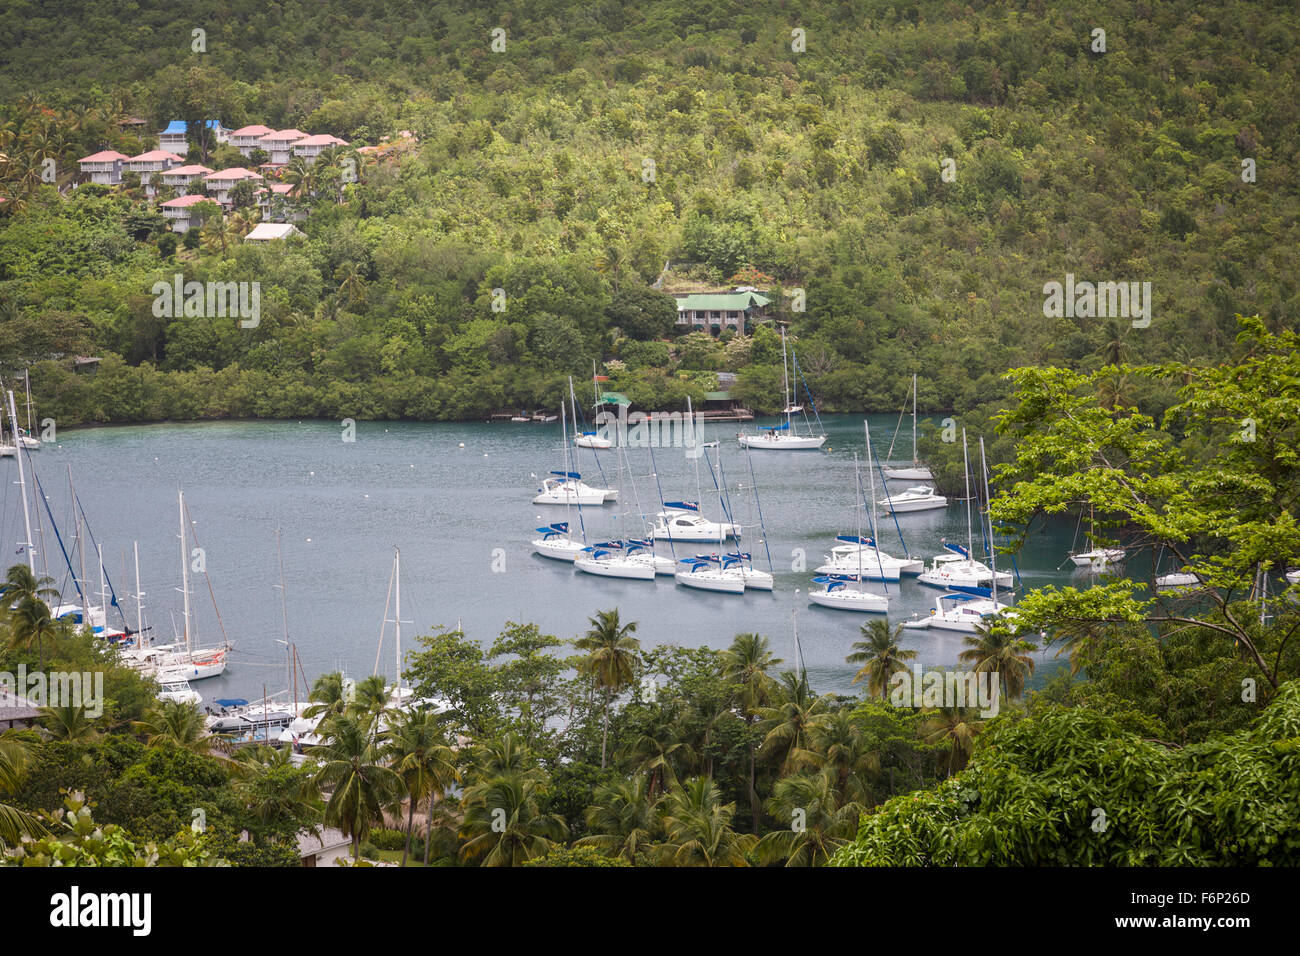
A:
[343,507]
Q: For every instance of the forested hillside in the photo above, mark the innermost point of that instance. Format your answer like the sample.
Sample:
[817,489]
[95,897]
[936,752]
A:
[606,140]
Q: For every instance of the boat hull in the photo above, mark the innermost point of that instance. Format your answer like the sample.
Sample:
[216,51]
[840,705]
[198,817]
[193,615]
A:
[592,441]
[592,498]
[907,505]
[843,599]
[706,581]
[619,568]
[782,443]
[908,474]
[560,549]
[1095,559]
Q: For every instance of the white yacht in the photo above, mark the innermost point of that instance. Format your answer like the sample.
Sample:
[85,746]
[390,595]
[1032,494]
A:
[1177,579]
[860,559]
[835,593]
[642,551]
[609,560]
[707,573]
[682,521]
[568,488]
[917,498]
[556,543]
[958,571]
[916,471]
[784,437]
[964,613]
[1098,558]
[180,692]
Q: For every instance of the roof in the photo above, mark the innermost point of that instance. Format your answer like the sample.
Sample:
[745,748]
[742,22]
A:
[320,139]
[266,231]
[310,843]
[722,301]
[255,130]
[280,189]
[232,174]
[180,202]
[155,155]
[188,171]
[104,156]
[14,707]
[180,126]
[284,135]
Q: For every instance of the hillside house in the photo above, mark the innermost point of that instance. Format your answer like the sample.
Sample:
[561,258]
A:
[248,138]
[280,145]
[175,138]
[220,183]
[277,205]
[178,212]
[715,311]
[150,163]
[103,168]
[271,231]
[310,147]
[180,177]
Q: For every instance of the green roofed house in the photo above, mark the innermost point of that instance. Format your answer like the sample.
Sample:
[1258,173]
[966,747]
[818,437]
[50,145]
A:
[715,311]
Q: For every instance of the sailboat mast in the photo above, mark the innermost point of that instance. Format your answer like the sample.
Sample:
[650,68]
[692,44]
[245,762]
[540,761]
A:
[564,433]
[22,485]
[81,551]
[970,537]
[914,459]
[785,377]
[185,569]
[284,597]
[27,378]
[139,595]
[988,503]
[397,622]
[857,510]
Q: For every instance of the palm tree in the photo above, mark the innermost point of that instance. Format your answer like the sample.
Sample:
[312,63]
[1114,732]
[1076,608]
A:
[359,785]
[421,758]
[30,623]
[14,823]
[745,664]
[996,650]
[69,723]
[622,819]
[610,264]
[504,824]
[352,283]
[837,741]
[20,582]
[610,662]
[956,727]
[818,822]
[269,802]
[787,723]
[880,656]
[369,698]
[504,755]
[698,828]
[654,753]
[170,723]
[328,696]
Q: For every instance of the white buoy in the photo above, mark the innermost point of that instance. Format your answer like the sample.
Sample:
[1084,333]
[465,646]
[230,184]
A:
[462,444]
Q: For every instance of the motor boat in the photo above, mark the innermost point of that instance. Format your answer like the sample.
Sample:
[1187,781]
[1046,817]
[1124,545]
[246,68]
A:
[180,692]
[568,488]
[965,613]
[682,521]
[957,571]
[1177,579]
[835,593]
[917,498]
[1098,558]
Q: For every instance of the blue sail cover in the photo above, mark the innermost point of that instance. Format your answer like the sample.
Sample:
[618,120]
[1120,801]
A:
[833,583]
[957,548]
[774,428]
[683,505]
[566,474]
[854,539]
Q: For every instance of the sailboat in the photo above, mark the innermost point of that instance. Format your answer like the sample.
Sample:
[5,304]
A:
[916,471]
[957,569]
[555,541]
[1095,558]
[834,591]
[629,559]
[784,437]
[682,520]
[588,439]
[25,438]
[861,557]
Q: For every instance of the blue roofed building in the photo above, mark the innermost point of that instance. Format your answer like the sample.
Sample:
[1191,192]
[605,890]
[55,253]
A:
[175,138]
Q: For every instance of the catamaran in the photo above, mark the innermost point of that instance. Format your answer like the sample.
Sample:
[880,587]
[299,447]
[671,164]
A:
[568,488]
[965,613]
[556,541]
[633,559]
[711,572]
[916,471]
[834,591]
[785,437]
[682,521]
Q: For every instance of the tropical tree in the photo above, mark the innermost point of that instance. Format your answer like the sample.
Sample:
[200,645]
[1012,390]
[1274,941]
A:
[21,583]
[956,728]
[880,656]
[610,662]
[745,664]
[328,696]
[654,752]
[417,747]
[840,749]
[503,823]
[787,723]
[275,791]
[69,723]
[698,830]
[30,623]
[14,823]
[352,773]
[816,821]
[173,723]
[997,650]
[622,818]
